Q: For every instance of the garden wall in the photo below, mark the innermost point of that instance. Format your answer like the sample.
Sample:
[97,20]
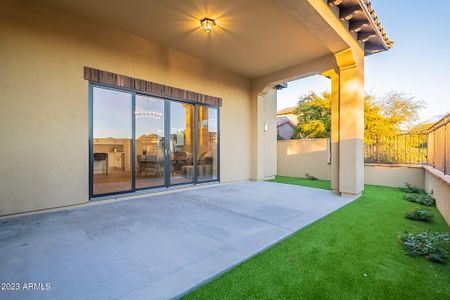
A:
[394,175]
[296,158]
[439,184]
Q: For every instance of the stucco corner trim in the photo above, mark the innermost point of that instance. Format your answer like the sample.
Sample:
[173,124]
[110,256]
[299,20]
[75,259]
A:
[147,87]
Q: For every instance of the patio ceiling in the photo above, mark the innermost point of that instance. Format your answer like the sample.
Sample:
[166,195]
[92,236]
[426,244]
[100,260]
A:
[252,37]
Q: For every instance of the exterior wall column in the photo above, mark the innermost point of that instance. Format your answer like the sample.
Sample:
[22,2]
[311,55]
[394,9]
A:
[264,158]
[350,122]
[269,127]
[334,166]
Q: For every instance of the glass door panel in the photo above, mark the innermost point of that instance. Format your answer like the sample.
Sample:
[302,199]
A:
[207,124]
[181,146]
[172,142]
[150,144]
[112,141]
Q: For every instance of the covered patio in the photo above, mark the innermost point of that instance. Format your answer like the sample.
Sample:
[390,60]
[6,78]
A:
[158,246]
[102,98]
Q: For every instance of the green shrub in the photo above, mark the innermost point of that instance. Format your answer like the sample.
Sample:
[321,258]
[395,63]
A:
[310,177]
[423,199]
[433,245]
[419,214]
[408,188]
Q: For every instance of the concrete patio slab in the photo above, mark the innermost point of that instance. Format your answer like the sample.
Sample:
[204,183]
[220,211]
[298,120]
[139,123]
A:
[154,247]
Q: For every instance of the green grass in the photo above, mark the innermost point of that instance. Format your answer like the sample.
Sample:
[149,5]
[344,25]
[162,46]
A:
[319,184]
[354,253]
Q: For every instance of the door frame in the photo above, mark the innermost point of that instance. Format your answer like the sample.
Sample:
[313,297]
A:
[167,162]
[168,151]
[134,145]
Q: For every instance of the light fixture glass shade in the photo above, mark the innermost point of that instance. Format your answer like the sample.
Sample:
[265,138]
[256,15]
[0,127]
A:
[207,24]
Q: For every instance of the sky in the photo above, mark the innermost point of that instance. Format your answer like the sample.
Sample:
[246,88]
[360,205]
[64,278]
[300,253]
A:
[418,64]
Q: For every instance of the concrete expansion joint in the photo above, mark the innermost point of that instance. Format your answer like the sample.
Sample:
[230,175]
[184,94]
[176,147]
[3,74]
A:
[220,208]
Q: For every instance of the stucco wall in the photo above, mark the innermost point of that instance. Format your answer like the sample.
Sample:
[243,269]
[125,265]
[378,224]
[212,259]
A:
[270,135]
[44,101]
[394,175]
[310,156]
[439,184]
[299,157]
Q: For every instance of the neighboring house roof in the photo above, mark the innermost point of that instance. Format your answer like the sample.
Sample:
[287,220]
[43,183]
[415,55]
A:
[286,111]
[284,120]
[285,128]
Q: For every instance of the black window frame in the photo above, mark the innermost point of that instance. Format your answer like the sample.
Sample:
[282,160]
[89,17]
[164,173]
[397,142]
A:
[167,101]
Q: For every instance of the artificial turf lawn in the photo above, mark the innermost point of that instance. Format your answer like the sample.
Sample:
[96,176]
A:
[319,184]
[354,253]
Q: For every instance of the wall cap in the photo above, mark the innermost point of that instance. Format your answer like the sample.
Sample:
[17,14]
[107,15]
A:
[438,174]
[306,140]
[416,166]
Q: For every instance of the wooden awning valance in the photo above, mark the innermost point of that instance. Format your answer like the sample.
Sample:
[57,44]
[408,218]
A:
[147,87]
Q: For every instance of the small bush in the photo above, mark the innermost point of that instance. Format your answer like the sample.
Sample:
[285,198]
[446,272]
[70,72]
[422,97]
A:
[408,188]
[419,214]
[423,199]
[433,245]
[310,177]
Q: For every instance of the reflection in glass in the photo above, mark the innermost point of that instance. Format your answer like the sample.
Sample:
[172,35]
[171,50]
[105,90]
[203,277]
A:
[181,142]
[207,143]
[154,160]
[112,133]
[149,142]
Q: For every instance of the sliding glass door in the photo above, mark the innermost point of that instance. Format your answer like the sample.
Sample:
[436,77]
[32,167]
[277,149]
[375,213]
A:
[207,141]
[150,143]
[111,143]
[181,143]
[139,142]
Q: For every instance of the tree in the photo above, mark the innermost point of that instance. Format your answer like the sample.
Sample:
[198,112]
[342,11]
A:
[386,116]
[401,110]
[314,116]
[375,123]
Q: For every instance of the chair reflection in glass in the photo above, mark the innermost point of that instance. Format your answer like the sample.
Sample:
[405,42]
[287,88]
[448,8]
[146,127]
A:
[205,166]
[101,163]
[150,165]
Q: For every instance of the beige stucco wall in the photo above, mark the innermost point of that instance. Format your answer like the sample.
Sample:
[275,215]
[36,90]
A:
[306,156]
[394,175]
[439,185]
[44,101]
[270,135]
[310,156]
[298,157]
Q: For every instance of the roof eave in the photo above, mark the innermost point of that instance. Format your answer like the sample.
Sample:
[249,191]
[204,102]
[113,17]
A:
[360,19]
[375,24]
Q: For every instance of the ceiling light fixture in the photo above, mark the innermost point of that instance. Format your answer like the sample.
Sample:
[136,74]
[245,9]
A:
[207,24]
